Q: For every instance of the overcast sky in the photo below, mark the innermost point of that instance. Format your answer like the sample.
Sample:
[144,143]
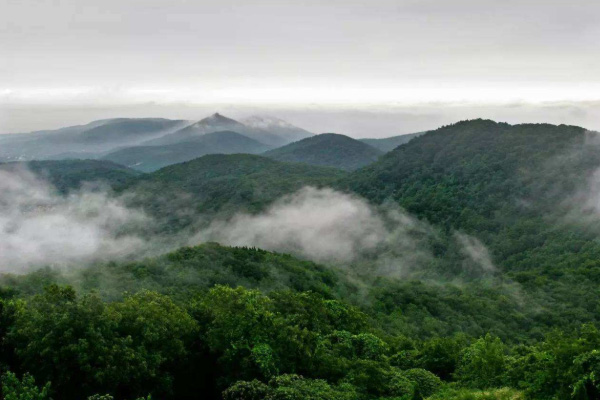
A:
[369,67]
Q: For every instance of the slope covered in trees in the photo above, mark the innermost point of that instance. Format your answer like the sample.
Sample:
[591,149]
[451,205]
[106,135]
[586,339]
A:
[327,149]
[67,175]
[168,327]
[223,184]
[526,190]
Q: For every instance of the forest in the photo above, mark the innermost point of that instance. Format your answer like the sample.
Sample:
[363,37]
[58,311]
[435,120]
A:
[481,283]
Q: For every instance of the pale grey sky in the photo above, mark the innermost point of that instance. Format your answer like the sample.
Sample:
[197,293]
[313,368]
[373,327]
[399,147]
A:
[418,61]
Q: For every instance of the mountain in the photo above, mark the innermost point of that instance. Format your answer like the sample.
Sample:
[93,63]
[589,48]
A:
[327,149]
[279,127]
[223,184]
[71,174]
[527,191]
[217,123]
[85,141]
[245,323]
[151,158]
[390,143]
[187,269]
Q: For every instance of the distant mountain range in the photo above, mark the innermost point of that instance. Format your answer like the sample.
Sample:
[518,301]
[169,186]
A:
[85,141]
[148,144]
[99,138]
[151,158]
[218,123]
[328,149]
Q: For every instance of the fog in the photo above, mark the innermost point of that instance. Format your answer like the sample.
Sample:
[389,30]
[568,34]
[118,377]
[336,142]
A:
[40,227]
[337,228]
[475,251]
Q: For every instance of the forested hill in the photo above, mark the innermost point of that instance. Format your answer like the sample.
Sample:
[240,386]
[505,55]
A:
[220,183]
[524,190]
[67,175]
[327,149]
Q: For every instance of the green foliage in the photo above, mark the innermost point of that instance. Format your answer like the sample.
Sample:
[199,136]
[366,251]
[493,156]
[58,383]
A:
[243,390]
[426,383]
[123,348]
[470,394]
[14,388]
[482,363]
[289,387]
[220,185]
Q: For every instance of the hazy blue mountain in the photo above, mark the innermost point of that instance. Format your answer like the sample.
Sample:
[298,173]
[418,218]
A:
[151,158]
[217,123]
[327,149]
[390,143]
[279,127]
[84,141]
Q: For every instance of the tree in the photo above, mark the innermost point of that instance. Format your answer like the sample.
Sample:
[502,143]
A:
[482,364]
[14,388]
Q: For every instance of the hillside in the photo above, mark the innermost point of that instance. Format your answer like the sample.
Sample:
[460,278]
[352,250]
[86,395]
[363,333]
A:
[151,158]
[71,174]
[522,189]
[184,271]
[328,149]
[390,143]
[222,184]
[218,123]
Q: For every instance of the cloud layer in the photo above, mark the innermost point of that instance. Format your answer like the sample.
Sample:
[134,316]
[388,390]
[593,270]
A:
[40,227]
[323,225]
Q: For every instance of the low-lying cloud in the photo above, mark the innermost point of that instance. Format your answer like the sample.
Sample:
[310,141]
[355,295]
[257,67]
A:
[323,225]
[40,227]
[476,253]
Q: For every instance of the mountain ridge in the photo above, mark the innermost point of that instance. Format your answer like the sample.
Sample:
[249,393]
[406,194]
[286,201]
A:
[327,149]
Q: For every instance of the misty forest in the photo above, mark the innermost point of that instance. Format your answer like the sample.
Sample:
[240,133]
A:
[248,260]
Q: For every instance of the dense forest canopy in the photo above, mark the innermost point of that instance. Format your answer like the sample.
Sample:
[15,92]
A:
[478,279]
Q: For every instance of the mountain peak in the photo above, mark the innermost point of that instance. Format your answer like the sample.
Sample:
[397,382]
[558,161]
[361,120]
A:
[327,149]
[216,118]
